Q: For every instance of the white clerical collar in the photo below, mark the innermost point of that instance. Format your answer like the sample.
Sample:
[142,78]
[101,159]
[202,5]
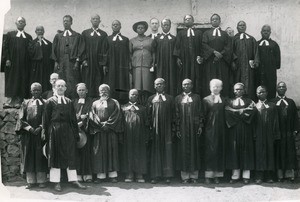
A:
[118,36]
[244,35]
[187,98]
[61,99]
[238,102]
[261,103]
[81,101]
[216,31]
[43,40]
[95,31]
[164,35]
[190,32]
[36,101]
[153,35]
[156,98]
[132,105]
[217,98]
[282,99]
[264,42]
[21,33]
[67,33]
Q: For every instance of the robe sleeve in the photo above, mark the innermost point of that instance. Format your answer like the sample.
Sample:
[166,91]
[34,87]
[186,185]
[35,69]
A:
[55,47]
[22,122]
[177,111]
[295,119]
[227,51]
[6,47]
[207,50]
[255,52]
[275,120]
[35,50]
[47,118]
[277,56]
[73,121]
[114,121]
[94,121]
[81,48]
[103,52]
[177,47]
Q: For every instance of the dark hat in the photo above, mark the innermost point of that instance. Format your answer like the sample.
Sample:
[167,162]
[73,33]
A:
[134,26]
[82,139]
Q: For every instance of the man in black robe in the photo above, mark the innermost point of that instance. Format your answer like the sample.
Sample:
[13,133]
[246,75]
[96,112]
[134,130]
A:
[67,52]
[40,50]
[188,129]
[217,56]
[266,133]
[188,50]
[165,61]
[269,61]
[49,93]
[17,65]
[61,132]
[118,63]
[154,25]
[93,67]
[161,113]
[289,127]
[239,113]
[30,128]
[245,60]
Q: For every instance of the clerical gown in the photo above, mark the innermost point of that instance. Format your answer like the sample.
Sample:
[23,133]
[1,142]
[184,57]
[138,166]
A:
[41,62]
[187,49]
[136,131]
[65,50]
[266,132]
[245,49]
[240,138]
[165,62]
[118,64]
[214,134]
[83,107]
[105,157]
[288,123]
[269,62]
[61,131]
[17,75]
[161,115]
[188,121]
[30,116]
[216,69]
[96,55]
[48,94]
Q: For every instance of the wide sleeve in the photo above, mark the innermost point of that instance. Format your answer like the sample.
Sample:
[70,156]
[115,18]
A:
[103,51]
[177,47]
[47,117]
[35,50]
[114,121]
[227,50]
[276,130]
[207,50]
[55,46]
[22,122]
[277,56]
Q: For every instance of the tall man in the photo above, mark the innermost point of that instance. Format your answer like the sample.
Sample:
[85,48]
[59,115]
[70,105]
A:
[269,61]
[165,62]
[40,50]
[154,25]
[17,65]
[67,52]
[96,56]
[187,50]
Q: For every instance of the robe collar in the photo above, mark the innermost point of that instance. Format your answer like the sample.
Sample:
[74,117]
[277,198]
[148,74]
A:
[216,31]
[95,31]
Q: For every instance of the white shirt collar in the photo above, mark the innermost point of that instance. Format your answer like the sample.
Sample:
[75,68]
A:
[282,99]
[156,98]
[118,36]
[216,31]
[238,101]
[190,32]
[81,101]
[61,99]
[243,35]
[217,98]
[67,33]
[21,33]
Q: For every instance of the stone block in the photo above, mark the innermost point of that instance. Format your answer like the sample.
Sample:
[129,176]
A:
[2,114]
[3,144]
[1,123]
[5,169]
[13,150]
[14,169]
[13,160]
[2,136]
[12,139]
[9,128]
[3,161]
[10,118]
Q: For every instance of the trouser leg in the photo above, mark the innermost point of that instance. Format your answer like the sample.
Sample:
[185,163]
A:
[194,175]
[236,174]
[185,175]
[72,175]
[41,177]
[246,174]
[31,177]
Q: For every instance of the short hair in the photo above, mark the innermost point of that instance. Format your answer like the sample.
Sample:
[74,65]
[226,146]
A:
[159,79]
[154,19]
[215,81]
[95,15]
[60,80]
[188,15]
[166,19]
[81,84]
[68,16]
[261,87]
[240,22]
[266,26]
[215,14]
[54,74]
[133,90]
[104,86]
[36,84]
[20,18]
[281,82]
[189,80]
[239,84]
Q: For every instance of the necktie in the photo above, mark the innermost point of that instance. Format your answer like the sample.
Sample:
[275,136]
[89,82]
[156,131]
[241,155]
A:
[266,42]
[217,32]
[21,33]
[67,33]
[117,36]
[282,100]
[190,32]
[243,35]
[95,31]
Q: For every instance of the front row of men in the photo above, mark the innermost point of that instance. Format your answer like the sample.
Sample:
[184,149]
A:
[185,134]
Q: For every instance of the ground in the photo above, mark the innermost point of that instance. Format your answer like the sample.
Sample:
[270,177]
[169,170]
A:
[176,191]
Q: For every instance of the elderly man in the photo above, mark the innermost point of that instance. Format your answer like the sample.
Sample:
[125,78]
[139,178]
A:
[17,65]
[93,68]
[187,51]
[189,128]
[160,107]
[67,52]
[49,93]
[61,131]
[106,126]
[269,61]
[40,50]
[154,25]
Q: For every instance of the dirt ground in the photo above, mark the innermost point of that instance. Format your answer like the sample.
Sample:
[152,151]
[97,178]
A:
[176,191]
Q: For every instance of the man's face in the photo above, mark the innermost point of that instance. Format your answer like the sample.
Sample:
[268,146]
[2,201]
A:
[104,92]
[67,22]
[261,94]
[187,86]
[230,32]
[21,23]
[241,27]
[53,79]
[36,91]
[40,31]
[188,21]
[140,29]
[154,25]
[133,96]
[159,86]
[215,88]
[166,26]
[60,87]
[266,32]
[238,90]
[215,21]
[281,89]
[95,20]
[81,91]
[116,26]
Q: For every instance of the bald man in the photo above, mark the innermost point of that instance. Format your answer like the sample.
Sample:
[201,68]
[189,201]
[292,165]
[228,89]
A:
[40,50]
[29,125]
[269,61]
[96,56]
[17,65]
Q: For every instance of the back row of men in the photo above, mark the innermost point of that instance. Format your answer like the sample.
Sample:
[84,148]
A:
[94,58]
[187,134]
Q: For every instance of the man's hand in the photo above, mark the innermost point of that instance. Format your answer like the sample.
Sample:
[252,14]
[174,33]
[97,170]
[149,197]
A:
[76,65]
[218,54]
[251,63]
[199,59]
[234,66]
[85,63]
[152,68]
[31,130]
[178,134]
[38,130]
[105,70]
[179,63]
[199,132]
[56,66]
[8,63]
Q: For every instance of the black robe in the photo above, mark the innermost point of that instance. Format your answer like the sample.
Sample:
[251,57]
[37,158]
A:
[48,94]
[269,62]
[31,114]
[118,65]
[17,75]
[165,62]
[288,124]
[266,132]
[96,55]
[188,121]
[105,154]
[243,51]
[61,131]
[162,121]
[85,153]
[41,63]
[187,49]
[240,138]
[214,134]
[136,131]
[65,51]
[216,69]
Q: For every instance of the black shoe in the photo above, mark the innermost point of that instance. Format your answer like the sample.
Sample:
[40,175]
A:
[217,181]
[57,187]
[185,181]
[246,181]
[29,186]
[42,185]
[153,181]
[168,181]
[280,180]
[270,181]
[97,181]
[258,181]
[232,181]
[89,181]
[114,180]
[78,185]
[207,181]
[194,181]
